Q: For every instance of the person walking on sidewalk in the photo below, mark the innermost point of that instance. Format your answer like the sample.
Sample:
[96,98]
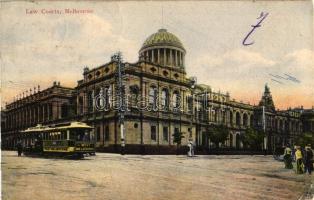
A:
[298,158]
[288,158]
[19,147]
[308,160]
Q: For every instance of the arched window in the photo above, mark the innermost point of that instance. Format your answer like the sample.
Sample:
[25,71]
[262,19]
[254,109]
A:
[238,119]
[165,98]
[231,118]
[223,113]
[64,110]
[281,125]
[245,119]
[80,102]
[152,95]
[231,139]
[90,98]
[107,133]
[238,141]
[176,99]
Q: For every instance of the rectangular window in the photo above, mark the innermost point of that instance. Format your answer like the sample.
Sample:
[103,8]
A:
[153,133]
[107,133]
[98,134]
[165,133]
[176,130]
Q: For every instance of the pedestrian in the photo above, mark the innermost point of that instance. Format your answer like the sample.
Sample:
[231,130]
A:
[298,158]
[190,148]
[308,160]
[122,147]
[19,148]
[288,157]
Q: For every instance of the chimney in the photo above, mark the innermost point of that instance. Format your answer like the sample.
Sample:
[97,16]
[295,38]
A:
[38,90]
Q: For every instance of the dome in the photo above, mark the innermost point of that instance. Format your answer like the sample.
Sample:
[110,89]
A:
[162,38]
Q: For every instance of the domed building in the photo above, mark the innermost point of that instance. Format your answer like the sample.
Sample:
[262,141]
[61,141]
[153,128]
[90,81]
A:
[163,48]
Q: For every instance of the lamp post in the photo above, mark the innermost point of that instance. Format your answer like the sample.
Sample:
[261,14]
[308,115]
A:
[193,83]
[121,94]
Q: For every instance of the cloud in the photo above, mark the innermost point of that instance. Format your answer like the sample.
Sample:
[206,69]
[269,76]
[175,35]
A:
[243,73]
[56,50]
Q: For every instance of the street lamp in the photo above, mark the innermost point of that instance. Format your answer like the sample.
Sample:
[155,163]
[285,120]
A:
[193,83]
[121,92]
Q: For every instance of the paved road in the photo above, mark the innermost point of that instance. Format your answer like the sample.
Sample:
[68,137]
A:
[112,176]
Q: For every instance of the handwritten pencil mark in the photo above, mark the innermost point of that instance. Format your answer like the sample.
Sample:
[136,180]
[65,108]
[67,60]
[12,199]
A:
[292,78]
[277,81]
[261,17]
[287,77]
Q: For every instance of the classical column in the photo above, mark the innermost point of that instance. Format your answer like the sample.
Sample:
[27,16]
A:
[170,57]
[38,114]
[176,57]
[158,56]
[43,113]
[180,56]
[48,111]
[147,56]
[153,58]
[165,59]
[183,60]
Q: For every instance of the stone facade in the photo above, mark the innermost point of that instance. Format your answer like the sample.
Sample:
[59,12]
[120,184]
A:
[52,105]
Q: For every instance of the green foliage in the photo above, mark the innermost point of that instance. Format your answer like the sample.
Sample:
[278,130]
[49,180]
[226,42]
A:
[218,134]
[177,137]
[253,138]
[305,139]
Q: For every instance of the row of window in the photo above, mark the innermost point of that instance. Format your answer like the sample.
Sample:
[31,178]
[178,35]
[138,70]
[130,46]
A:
[165,132]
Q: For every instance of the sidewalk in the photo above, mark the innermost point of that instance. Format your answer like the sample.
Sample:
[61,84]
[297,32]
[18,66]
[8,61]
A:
[309,192]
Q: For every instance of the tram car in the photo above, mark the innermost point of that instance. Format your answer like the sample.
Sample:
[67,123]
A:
[73,139]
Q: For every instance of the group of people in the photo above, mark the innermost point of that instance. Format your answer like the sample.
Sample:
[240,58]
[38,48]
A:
[302,156]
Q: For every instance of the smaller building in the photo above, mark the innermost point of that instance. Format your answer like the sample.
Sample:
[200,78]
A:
[52,105]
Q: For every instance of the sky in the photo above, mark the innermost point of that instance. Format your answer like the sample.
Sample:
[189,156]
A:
[37,49]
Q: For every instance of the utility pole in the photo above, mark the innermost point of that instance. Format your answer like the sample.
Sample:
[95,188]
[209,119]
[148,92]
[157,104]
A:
[120,88]
[190,142]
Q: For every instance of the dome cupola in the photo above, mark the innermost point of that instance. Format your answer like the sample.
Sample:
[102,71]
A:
[163,48]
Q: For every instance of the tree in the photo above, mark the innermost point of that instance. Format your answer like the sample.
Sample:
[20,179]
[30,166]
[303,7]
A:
[305,139]
[177,138]
[253,138]
[218,134]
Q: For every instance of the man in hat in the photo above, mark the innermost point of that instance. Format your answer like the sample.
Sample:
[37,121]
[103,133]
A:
[308,160]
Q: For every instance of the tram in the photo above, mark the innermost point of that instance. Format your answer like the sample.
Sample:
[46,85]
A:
[73,139]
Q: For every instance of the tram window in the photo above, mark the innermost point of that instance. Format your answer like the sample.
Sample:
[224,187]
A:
[80,134]
[63,135]
[72,135]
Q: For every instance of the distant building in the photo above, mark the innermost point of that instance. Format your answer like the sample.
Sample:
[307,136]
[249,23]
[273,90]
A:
[171,103]
[52,105]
